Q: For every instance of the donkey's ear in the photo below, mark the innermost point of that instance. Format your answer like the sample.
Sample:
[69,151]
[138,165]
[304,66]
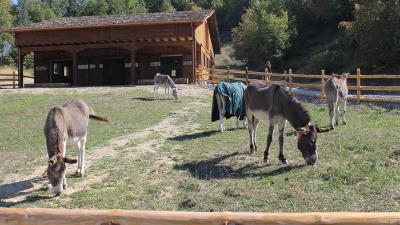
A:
[345,75]
[52,160]
[70,161]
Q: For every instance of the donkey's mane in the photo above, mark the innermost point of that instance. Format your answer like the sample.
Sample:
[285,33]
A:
[293,110]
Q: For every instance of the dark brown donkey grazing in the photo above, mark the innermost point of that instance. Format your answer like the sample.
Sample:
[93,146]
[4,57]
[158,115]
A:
[66,124]
[274,104]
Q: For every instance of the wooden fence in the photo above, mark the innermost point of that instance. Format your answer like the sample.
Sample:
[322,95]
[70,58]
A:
[10,80]
[36,216]
[214,76]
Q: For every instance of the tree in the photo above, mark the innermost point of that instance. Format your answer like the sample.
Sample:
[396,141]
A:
[6,21]
[184,5]
[262,34]
[159,6]
[375,33]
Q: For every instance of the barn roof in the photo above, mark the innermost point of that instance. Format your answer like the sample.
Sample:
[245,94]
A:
[128,19]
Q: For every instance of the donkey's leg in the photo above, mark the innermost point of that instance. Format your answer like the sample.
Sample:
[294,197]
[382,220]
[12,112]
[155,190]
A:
[82,154]
[344,110]
[337,114]
[282,157]
[78,146]
[269,141]
[331,106]
[221,110]
[245,122]
[154,91]
[255,126]
[250,130]
[64,182]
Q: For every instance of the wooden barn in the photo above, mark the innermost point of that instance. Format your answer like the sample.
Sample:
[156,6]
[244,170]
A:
[118,49]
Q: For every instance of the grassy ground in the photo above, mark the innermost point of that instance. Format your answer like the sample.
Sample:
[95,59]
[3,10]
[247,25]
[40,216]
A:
[192,166]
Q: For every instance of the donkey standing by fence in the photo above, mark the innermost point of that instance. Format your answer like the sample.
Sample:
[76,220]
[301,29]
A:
[335,89]
[167,83]
[274,104]
[228,101]
[66,123]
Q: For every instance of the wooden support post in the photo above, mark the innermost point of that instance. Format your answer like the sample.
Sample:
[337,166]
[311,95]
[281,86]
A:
[290,81]
[322,86]
[247,75]
[228,68]
[13,79]
[212,75]
[133,67]
[20,69]
[74,68]
[358,85]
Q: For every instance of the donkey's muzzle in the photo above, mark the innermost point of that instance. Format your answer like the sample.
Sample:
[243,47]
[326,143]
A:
[311,160]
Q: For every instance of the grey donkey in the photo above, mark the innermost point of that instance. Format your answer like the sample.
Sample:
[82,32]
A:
[166,82]
[64,124]
[336,89]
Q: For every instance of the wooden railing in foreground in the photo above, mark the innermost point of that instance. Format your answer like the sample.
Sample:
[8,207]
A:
[36,216]
[10,80]
[213,75]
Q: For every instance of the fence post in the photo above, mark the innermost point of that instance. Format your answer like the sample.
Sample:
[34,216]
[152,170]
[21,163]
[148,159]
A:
[322,85]
[227,72]
[13,79]
[212,75]
[290,81]
[247,75]
[358,85]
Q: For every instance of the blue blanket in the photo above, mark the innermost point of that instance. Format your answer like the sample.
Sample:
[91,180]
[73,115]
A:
[235,105]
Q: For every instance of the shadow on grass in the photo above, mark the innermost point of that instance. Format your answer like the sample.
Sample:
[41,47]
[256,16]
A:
[145,99]
[20,189]
[203,134]
[28,199]
[211,169]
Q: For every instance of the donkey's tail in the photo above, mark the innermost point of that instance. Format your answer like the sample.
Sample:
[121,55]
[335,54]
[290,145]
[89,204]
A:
[99,118]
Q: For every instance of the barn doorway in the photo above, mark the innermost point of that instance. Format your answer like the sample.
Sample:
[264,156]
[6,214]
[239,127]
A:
[113,72]
[61,72]
[172,65]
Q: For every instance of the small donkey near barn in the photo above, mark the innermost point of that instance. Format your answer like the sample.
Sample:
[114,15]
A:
[66,124]
[228,101]
[274,104]
[335,89]
[167,83]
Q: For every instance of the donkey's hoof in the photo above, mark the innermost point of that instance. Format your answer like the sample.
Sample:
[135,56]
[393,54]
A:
[344,122]
[283,159]
[266,160]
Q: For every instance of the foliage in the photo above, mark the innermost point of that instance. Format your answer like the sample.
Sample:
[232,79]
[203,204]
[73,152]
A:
[375,33]
[6,21]
[262,34]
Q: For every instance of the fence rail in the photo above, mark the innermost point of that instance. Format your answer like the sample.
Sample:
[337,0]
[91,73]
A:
[36,216]
[10,80]
[214,76]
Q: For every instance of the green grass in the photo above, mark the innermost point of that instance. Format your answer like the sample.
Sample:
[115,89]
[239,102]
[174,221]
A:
[205,170]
